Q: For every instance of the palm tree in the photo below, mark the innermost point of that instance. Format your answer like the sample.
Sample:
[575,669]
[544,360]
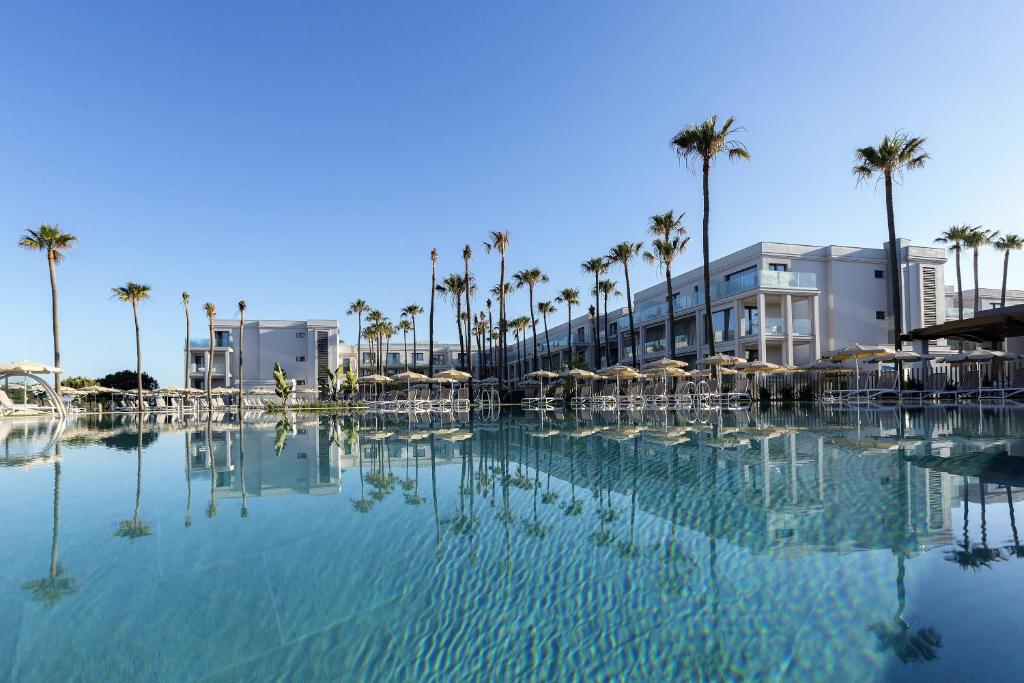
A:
[976,239]
[55,242]
[498,240]
[519,326]
[135,528]
[570,296]
[954,237]
[888,160]
[607,288]
[490,330]
[357,308]
[467,255]
[211,313]
[185,298]
[705,141]
[388,331]
[596,267]
[410,312]
[622,254]
[480,332]
[54,587]
[133,293]
[452,288]
[375,317]
[502,291]
[241,347]
[546,308]
[530,278]
[1006,244]
[670,240]
[405,326]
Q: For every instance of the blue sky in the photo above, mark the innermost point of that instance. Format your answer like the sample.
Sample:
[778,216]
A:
[303,156]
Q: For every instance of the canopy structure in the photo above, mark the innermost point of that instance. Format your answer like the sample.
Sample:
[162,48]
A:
[662,363]
[31,370]
[986,326]
[452,375]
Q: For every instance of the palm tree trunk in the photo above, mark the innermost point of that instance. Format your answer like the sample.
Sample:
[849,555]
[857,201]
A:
[490,338]
[469,329]
[56,325]
[709,328]
[596,325]
[55,538]
[977,296]
[959,285]
[138,353]
[209,373]
[533,326]
[503,370]
[387,352]
[405,348]
[138,475]
[241,338]
[671,313]
[607,335]
[547,340]
[359,340]
[430,323]
[632,327]
[1006,265]
[458,324]
[188,351]
[569,323]
[894,267]
[413,344]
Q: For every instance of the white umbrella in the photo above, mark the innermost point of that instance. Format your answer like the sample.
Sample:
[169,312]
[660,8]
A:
[541,375]
[30,367]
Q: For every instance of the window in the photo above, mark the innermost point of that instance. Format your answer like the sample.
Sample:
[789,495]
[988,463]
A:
[300,382]
[440,359]
[581,333]
[740,273]
[300,359]
[879,315]
[221,338]
[751,320]
[367,357]
[300,335]
[613,328]
[879,274]
[722,324]
[779,267]
[346,363]
[417,357]
[394,359]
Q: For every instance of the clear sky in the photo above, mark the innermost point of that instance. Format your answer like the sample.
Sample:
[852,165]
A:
[300,156]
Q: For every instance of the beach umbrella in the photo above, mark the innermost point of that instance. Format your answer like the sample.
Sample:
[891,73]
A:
[30,367]
[663,363]
[857,352]
[409,377]
[579,374]
[721,359]
[541,375]
[618,372]
[453,375]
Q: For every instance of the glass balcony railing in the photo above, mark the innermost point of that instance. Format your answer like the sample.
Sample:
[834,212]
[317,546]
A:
[650,312]
[723,335]
[786,280]
[683,340]
[774,326]
[656,346]
[953,313]
[802,326]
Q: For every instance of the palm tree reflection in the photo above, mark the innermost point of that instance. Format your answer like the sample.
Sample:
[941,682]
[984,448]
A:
[135,528]
[56,585]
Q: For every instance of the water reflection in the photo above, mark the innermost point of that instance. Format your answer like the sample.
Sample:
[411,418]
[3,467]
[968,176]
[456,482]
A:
[650,546]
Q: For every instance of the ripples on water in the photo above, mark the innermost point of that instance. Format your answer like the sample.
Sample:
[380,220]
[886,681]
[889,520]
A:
[788,544]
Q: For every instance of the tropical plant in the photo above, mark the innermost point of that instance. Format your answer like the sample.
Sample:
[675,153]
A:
[607,288]
[670,240]
[126,380]
[405,327]
[499,240]
[133,293]
[410,312]
[888,161]
[546,308]
[976,239]
[1006,244]
[467,256]
[282,386]
[376,321]
[519,326]
[703,142]
[954,237]
[79,382]
[622,254]
[211,313]
[185,299]
[570,296]
[56,243]
[358,308]
[530,278]
[350,382]
[452,288]
[596,267]
[331,384]
[433,290]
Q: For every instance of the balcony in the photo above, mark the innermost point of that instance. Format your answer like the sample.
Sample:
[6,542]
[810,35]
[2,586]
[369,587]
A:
[683,340]
[218,370]
[802,326]
[656,346]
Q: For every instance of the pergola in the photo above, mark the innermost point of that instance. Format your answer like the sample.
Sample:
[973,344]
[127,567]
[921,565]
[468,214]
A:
[991,327]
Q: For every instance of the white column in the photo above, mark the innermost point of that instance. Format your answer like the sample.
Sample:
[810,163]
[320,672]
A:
[815,329]
[787,312]
[737,312]
[762,347]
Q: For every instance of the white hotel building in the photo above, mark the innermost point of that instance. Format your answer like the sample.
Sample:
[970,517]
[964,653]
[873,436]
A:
[785,303]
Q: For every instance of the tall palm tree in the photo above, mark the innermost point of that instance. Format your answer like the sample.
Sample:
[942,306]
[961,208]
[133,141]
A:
[357,308]
[1006,244]
[704,142]
[596,267]
[978,237]
[502,290]
[889,159]
[370,335]
[480,332]
[954,237]
[375,317]
[211,313]
[530,278]
[622,254]
[185,298]
[405,326]
[519,326]
[241,348]
[467,256]
[546,308]
[56,243]
[388,331]
[433,290]
[490,329]
[670,240]
[133,293]
[410,312]
[498,240]
[452,288]
[607,288]
[570,296]
[135,528]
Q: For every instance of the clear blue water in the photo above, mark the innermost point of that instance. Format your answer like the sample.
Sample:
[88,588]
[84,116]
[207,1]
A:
[789,545]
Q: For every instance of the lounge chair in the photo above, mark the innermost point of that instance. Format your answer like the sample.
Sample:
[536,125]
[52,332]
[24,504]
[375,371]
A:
[9,407]
[739,393]
[462,399]
[970,387]
[884,387]
[1012,391]
[582,397]
[531,397]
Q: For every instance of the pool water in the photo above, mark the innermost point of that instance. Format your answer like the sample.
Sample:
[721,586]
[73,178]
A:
[788,544]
